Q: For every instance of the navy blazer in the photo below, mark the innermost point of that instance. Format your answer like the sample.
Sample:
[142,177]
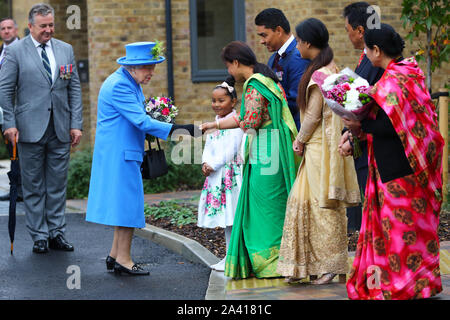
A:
[368,71]
[372,75]
[293,66]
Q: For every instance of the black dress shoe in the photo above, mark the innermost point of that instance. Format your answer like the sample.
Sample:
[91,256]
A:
[59,243]
[40,246]
[134,271]
[110,261]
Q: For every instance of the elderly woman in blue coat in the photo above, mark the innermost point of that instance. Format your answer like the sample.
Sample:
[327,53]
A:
[116,195]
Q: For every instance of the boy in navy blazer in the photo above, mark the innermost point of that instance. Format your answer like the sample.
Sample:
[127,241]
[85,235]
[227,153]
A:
[287,63]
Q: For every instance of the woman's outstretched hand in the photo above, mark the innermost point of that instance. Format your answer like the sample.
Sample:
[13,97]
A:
[207,126]
[189,127]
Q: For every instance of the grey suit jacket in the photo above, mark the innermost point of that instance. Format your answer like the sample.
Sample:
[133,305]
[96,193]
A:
[27,96]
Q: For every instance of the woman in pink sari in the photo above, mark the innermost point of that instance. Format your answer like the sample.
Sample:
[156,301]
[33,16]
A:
[397,255]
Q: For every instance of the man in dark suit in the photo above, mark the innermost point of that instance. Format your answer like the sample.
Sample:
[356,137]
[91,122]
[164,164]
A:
[275,32]
[356,17]
[8,33]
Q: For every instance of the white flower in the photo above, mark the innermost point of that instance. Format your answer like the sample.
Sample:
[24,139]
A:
[330,81]
[359,82]
[352,100]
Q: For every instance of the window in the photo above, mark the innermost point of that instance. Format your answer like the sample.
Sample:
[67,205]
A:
[213,23]
[5,8]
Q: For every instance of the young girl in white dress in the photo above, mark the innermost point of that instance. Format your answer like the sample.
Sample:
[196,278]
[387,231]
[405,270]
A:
[222,164]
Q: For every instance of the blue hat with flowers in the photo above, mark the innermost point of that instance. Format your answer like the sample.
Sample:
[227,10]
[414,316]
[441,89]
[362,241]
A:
[142,53]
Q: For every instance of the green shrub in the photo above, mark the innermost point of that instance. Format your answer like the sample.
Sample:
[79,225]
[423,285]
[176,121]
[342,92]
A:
[178,213]
[79,174]
[3,150]
[179,177]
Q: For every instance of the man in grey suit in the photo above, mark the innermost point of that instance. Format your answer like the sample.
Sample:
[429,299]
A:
[45,120]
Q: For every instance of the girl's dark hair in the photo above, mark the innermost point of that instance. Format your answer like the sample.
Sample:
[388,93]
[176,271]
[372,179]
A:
[314,32]
[230,81]
[240,51]
[385,38]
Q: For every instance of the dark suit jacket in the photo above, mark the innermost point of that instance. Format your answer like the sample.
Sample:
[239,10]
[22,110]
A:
[293,66]
[372,75]
[368,71]
[387,148]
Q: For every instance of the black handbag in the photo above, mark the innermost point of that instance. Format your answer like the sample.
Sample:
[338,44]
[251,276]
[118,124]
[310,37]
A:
[154,163]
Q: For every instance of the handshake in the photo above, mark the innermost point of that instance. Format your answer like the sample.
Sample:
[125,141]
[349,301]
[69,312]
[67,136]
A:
[189,127]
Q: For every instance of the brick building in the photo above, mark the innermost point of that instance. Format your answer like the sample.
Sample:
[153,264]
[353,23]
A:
[198,30]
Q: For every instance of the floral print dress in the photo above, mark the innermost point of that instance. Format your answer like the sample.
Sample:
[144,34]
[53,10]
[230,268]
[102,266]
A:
[220,191]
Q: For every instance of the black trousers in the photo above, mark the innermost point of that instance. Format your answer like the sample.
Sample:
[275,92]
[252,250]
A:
[354,214]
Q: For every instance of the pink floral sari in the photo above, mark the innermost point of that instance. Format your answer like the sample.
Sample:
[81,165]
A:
[397,255]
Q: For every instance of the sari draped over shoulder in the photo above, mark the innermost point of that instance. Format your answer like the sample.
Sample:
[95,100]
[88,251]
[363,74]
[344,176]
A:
[315,229]
[398,245]
[268,175]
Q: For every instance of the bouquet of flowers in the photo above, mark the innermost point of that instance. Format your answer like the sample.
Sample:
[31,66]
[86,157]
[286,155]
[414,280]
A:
[161,109]
[346,93]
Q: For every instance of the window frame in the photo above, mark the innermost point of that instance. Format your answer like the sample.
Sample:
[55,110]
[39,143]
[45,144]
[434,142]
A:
[209,75]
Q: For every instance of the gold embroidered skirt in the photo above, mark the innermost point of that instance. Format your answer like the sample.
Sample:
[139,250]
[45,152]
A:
[314,239]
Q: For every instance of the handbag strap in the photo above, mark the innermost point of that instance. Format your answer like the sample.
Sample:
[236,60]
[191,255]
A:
[147,137]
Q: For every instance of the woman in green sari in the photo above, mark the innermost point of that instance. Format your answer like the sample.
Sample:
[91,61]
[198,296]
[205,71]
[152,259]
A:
[270,165]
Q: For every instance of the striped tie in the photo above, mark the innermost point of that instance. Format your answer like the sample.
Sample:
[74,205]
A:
[46,62]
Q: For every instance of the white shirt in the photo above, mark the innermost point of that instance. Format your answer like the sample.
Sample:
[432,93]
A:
[286,45]
[2,55]
[50,55]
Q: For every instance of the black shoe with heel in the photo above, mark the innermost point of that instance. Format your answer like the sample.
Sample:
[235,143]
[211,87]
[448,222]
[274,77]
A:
[134,271]
[110,261]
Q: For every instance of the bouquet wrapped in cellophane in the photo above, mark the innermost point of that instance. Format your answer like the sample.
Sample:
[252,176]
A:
[347,95]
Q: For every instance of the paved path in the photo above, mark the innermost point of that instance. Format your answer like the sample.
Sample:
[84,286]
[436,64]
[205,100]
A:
[26,275]
[173,277]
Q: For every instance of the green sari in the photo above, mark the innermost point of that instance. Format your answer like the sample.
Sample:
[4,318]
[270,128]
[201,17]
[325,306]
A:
[269,172]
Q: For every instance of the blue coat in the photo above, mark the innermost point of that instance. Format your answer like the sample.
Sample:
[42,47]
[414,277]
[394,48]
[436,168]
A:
[116,195]
[293,66]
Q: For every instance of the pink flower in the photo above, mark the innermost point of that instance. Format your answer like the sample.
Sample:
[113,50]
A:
[223,198]
[228,184]
[205,185]
[165,111]
[346,86]
[215,203]
[209,198]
